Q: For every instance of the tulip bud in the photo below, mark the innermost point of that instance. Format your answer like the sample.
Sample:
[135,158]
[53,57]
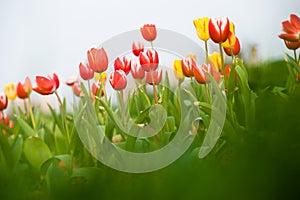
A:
[149,32]
[118,79]
[149,60]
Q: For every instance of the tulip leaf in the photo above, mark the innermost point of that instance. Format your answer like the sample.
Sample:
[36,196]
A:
[292,61]
[27,129]
[36,151]
[16,150]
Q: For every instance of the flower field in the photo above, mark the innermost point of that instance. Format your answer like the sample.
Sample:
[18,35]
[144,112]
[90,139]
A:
[226,129]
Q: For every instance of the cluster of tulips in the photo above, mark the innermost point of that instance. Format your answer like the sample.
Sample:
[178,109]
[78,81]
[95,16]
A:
[291,38]
[222,32]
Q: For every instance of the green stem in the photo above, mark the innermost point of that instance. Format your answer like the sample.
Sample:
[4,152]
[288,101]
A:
[232,55]
[295,56]
[222,56]
[89,86]
[31,114]
[63,112]
[122,106]
[206,52]
[152,45]
[154,88]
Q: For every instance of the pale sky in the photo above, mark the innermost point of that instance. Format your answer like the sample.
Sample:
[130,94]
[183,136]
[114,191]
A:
[41,37]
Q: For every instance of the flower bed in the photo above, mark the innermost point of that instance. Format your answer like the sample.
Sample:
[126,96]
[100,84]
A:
[219,129]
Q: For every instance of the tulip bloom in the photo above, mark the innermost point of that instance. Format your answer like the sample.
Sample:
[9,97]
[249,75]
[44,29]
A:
[24,90]
[122,64]
[201,26]
[86,72]
[215,60]
[10,91]
[149,60]
[149,32]
[3,101]
[292,45]
[154,78]
[178,70]
[291,29]
[199,73]
[96,88]
[75,84]
[46,84]
[118,79]
[101,78]
[187,66]
[137,48]
[235,49]
[137,71]
[97,59]
[218,29]
[231,39]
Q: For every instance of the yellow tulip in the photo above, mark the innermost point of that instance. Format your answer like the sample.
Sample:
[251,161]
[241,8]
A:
[178,70]
[201,26]
[100,77]
[215,60]
[10,91]
[192,56]
[229,43]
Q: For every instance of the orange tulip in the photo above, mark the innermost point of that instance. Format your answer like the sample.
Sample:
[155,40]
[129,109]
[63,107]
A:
[291,29]
[187,66]
[149,32]
[46,84]
[23,90]
[97,59]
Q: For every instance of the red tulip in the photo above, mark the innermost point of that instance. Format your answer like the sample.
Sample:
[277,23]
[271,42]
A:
[46,84]
[96,88]
[4,119]
[199,73]
[291,29]
[235,49]
[187,66]
[75,84]
[149,60]
[23,90]
[292,45]
[86,72]
[122,64]
[137,71]
[3,101]
[118,79]
[155,78]
[219,29]
[97,59]
[137,48]
[149,32]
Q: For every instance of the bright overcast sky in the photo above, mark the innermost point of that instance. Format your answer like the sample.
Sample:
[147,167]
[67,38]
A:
[40,37]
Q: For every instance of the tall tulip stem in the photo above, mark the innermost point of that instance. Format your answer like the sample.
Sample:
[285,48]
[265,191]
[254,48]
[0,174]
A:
[222,56]
[31,113]
[89,87]
[63,112]
[295,56]
[154,88]
[206,52]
